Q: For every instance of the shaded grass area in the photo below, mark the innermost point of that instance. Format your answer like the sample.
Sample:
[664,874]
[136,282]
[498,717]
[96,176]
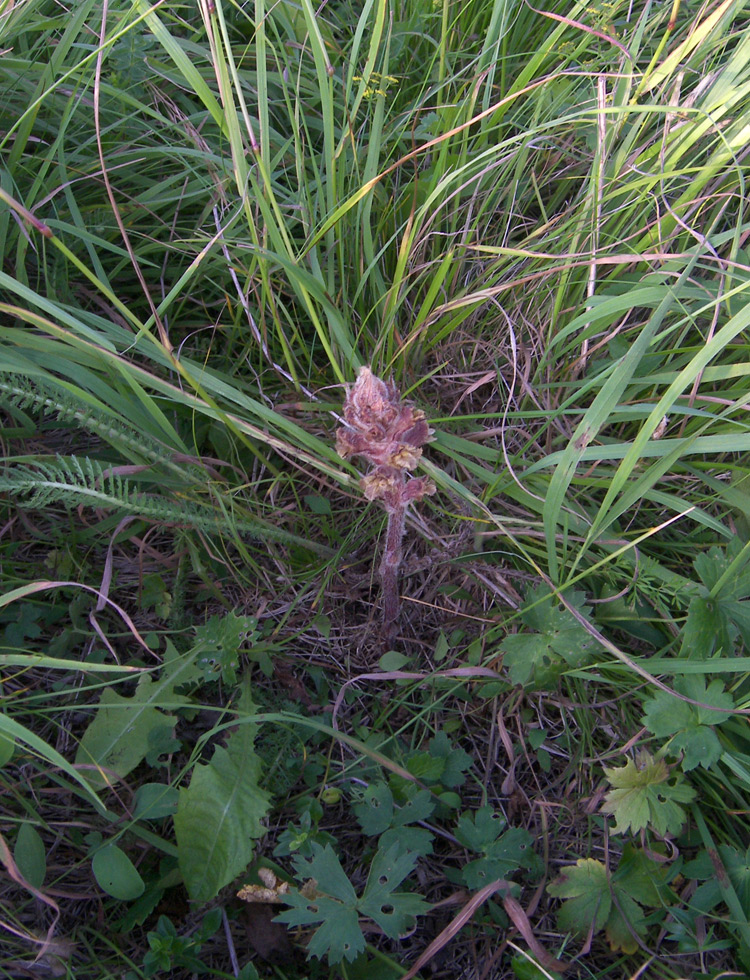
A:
[212,215]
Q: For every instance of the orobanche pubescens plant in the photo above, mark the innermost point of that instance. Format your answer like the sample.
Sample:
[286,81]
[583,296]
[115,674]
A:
[389,433]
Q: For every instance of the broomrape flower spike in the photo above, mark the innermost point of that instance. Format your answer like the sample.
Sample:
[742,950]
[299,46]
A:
[389,433]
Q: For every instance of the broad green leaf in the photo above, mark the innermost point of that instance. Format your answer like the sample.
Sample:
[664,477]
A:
[643,878]
[419,840]
[220,813]
[418,806]
[218,644]
[338,935]
[646,794]
[124,728]
[116,874]
[30,856]
[425,767]
[706,629]
[329,900]
[393,911]
[594,900]
[393,660]
[625,923]
[118,739]
[725,573]
[333,908]
[325,869]
[154,801]
[378,814]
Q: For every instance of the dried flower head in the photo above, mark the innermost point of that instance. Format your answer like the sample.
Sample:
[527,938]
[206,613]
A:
[380,426]
[389,433]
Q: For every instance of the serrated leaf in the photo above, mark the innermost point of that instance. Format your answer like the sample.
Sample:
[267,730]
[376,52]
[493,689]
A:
[479,829]
[218,644]
[713,564]
[624,924]
[425,767]
[220,812]
[335,901]
[586,891]
[456,761]
[503,857]
[393,911]
[325,869]
[375,812]
[418,806]
[647,793]
[699,747]
[553,643]
[737,865]
[338,935]
[594,900]
[727,608]
[643,878]
[688,724]
[705,629]
[665,714]
[416,839]
[122,732]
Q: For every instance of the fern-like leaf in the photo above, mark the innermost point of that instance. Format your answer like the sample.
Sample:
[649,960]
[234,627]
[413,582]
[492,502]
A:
[75,482]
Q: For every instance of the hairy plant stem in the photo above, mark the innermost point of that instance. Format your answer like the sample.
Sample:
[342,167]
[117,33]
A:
[390,566]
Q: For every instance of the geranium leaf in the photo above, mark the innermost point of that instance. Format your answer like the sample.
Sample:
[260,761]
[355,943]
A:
[647,793]
[586,891]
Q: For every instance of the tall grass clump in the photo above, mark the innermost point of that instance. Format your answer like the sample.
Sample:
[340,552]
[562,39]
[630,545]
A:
[528,221]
